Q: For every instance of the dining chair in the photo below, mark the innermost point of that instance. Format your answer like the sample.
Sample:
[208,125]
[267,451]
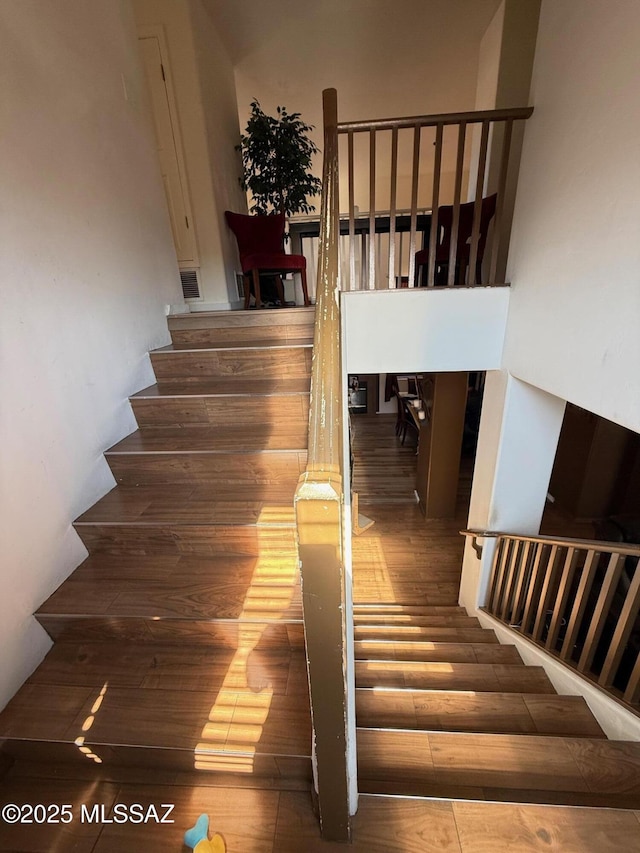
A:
[261,248]
[463,245]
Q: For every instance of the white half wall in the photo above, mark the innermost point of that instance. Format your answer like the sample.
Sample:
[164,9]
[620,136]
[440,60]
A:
[575,254]
[87,267]
[519,430]
[426,329]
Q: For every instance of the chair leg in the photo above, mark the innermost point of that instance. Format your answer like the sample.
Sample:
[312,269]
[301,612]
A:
[247,291]
[305,292]
[256,287]
[280,290]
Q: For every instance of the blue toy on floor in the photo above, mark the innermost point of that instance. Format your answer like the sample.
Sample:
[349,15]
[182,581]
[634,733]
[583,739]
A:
[198,838]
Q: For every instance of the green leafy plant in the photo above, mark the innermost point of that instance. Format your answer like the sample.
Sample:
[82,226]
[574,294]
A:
[276,159]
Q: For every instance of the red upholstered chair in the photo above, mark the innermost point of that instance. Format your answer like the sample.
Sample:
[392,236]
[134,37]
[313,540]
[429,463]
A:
[463,251]
[261,247]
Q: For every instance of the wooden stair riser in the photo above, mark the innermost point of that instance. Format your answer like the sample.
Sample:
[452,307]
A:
[254,323]
[434,652]
[285,410]
[193,366]
[122,764]
[197,540]
[278,335]
[401,620]
[494,678]
[227,634]
[272,468]
[433,634]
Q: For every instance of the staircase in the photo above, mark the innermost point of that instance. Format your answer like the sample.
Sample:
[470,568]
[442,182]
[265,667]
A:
[451,725]
[443,710]
[179,640]
[179,652]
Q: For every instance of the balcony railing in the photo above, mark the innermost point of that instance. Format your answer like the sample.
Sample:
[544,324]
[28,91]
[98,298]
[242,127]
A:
[420,182]
[579,600]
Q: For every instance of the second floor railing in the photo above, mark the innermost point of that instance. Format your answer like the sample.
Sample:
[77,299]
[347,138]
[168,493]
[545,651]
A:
[428,199]
[577,599]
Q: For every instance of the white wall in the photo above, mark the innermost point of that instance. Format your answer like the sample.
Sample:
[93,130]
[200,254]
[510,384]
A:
[433,329]
[86,268]
[415,58]
[204,85]
[575,254]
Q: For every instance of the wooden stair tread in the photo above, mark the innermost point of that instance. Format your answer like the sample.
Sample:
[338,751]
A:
[451,710]
[494,678]
[385,824]
[165,697]
[201,439]
[500,766]
[230,386]
[185,588]
[191,505]
[434,651]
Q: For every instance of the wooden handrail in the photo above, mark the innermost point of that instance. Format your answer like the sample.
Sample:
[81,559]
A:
[618,547]
[475,117]
[578,599]
[319,520]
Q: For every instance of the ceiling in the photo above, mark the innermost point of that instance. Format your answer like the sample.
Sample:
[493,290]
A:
[246,24]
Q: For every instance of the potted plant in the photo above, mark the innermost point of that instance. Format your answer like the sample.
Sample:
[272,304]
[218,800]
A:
[276,158]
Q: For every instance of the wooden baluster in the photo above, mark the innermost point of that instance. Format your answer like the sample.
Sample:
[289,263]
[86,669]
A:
[540,564]
[515,564]
[502,183]
[435,196]
[524,580]
[352,224]
[548,592]
[624,627]
[510,550]
[632,692]
[601,611]
[562,598]
[453,248]
[580,603]
[372,210]
[415,178]
[392,208]
[477,210]
[499,566]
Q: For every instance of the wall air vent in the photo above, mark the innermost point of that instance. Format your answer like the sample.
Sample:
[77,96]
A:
[240,285]
[190,285]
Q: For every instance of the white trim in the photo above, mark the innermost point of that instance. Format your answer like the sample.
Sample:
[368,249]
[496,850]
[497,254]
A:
[157,31]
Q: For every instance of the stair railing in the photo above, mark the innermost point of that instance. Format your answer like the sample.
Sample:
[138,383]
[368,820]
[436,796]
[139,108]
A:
[579,600]
[319,519]
[481,168]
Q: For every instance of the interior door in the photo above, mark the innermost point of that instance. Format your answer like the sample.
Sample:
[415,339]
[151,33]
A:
[169,151]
